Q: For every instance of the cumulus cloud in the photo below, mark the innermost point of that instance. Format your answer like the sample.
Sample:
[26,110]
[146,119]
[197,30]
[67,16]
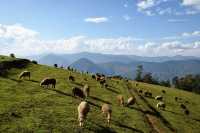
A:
[152,7]
[194,33]
[193,3]
[23,42]
[96,19]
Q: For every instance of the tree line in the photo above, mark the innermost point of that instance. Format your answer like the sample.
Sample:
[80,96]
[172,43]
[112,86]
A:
[188,82]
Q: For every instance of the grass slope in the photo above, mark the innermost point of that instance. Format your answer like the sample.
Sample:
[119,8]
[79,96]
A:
[26,107]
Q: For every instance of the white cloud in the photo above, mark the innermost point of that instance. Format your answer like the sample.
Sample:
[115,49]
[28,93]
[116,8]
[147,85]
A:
[187,34]
[16,31]
[25,42]
[96,19]
[193,3]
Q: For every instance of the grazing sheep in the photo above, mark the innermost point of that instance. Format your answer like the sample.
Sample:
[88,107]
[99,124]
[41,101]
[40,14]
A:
[187,112]
[48,81]
[106,85]
[71,78]
[106,109]
[25,74]
[83,110]
[163,91]
[131,101]
[78,92]
[140,91]
[176,98]
[159,98]
[161,105]
[93,76]
[102,82]
[183,106]
[120,100]
[86,90]
[147,94]
[136,84]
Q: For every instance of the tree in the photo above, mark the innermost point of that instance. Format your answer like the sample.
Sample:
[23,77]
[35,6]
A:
[175,81]
[12,55]
[148,78]
[139,72]
[55,65]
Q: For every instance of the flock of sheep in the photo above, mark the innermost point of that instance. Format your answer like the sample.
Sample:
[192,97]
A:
[161,104]
[84,92]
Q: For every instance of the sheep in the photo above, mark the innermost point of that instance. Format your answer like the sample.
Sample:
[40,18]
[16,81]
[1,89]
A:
[161,105]
[147,94]
[187,112]
[131,101]
[140,91]
[48,81]
[71,78]
[159,98]
[86,90]
[93,76]
[120,100]
[183,106]
[102,82]
[106,85]
[83,110]
[136,84]
[163,91]
[176,98]
[78,92]
[106,109]
[25,74]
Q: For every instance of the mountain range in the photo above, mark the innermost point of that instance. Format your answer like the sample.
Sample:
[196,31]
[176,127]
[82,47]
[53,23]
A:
[162,67]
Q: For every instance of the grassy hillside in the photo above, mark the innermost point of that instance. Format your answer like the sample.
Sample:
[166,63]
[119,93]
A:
[26,107]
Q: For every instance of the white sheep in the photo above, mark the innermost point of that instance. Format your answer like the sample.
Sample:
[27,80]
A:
[131,101]
[107,109]
[161,105]
[25,74]
[83,110]
[86,90]
[159,98]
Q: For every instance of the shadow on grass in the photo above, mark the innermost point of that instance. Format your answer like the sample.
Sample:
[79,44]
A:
[138,109]
[15,80]
[112,90]
[98,99]
[33,81]
[127,127]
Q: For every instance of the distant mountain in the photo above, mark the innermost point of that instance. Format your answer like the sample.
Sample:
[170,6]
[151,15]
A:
[84,64]
[161,70]
[67,59]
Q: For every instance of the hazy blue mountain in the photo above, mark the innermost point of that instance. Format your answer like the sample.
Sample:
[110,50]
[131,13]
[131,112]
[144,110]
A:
[162,70]
[67,59]
[84,64]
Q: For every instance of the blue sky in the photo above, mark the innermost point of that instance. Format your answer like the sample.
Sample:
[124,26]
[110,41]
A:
[141,27]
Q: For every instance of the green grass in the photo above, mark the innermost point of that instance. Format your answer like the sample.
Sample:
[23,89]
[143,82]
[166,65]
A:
[26,107]
[173,113]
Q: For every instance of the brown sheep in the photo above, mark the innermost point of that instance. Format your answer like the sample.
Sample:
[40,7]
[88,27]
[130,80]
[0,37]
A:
[83,110]
[78,92]
[120,100]
[106,109]
[25,74]
[131,101]
[71,78]
[86,90]
[48,81]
